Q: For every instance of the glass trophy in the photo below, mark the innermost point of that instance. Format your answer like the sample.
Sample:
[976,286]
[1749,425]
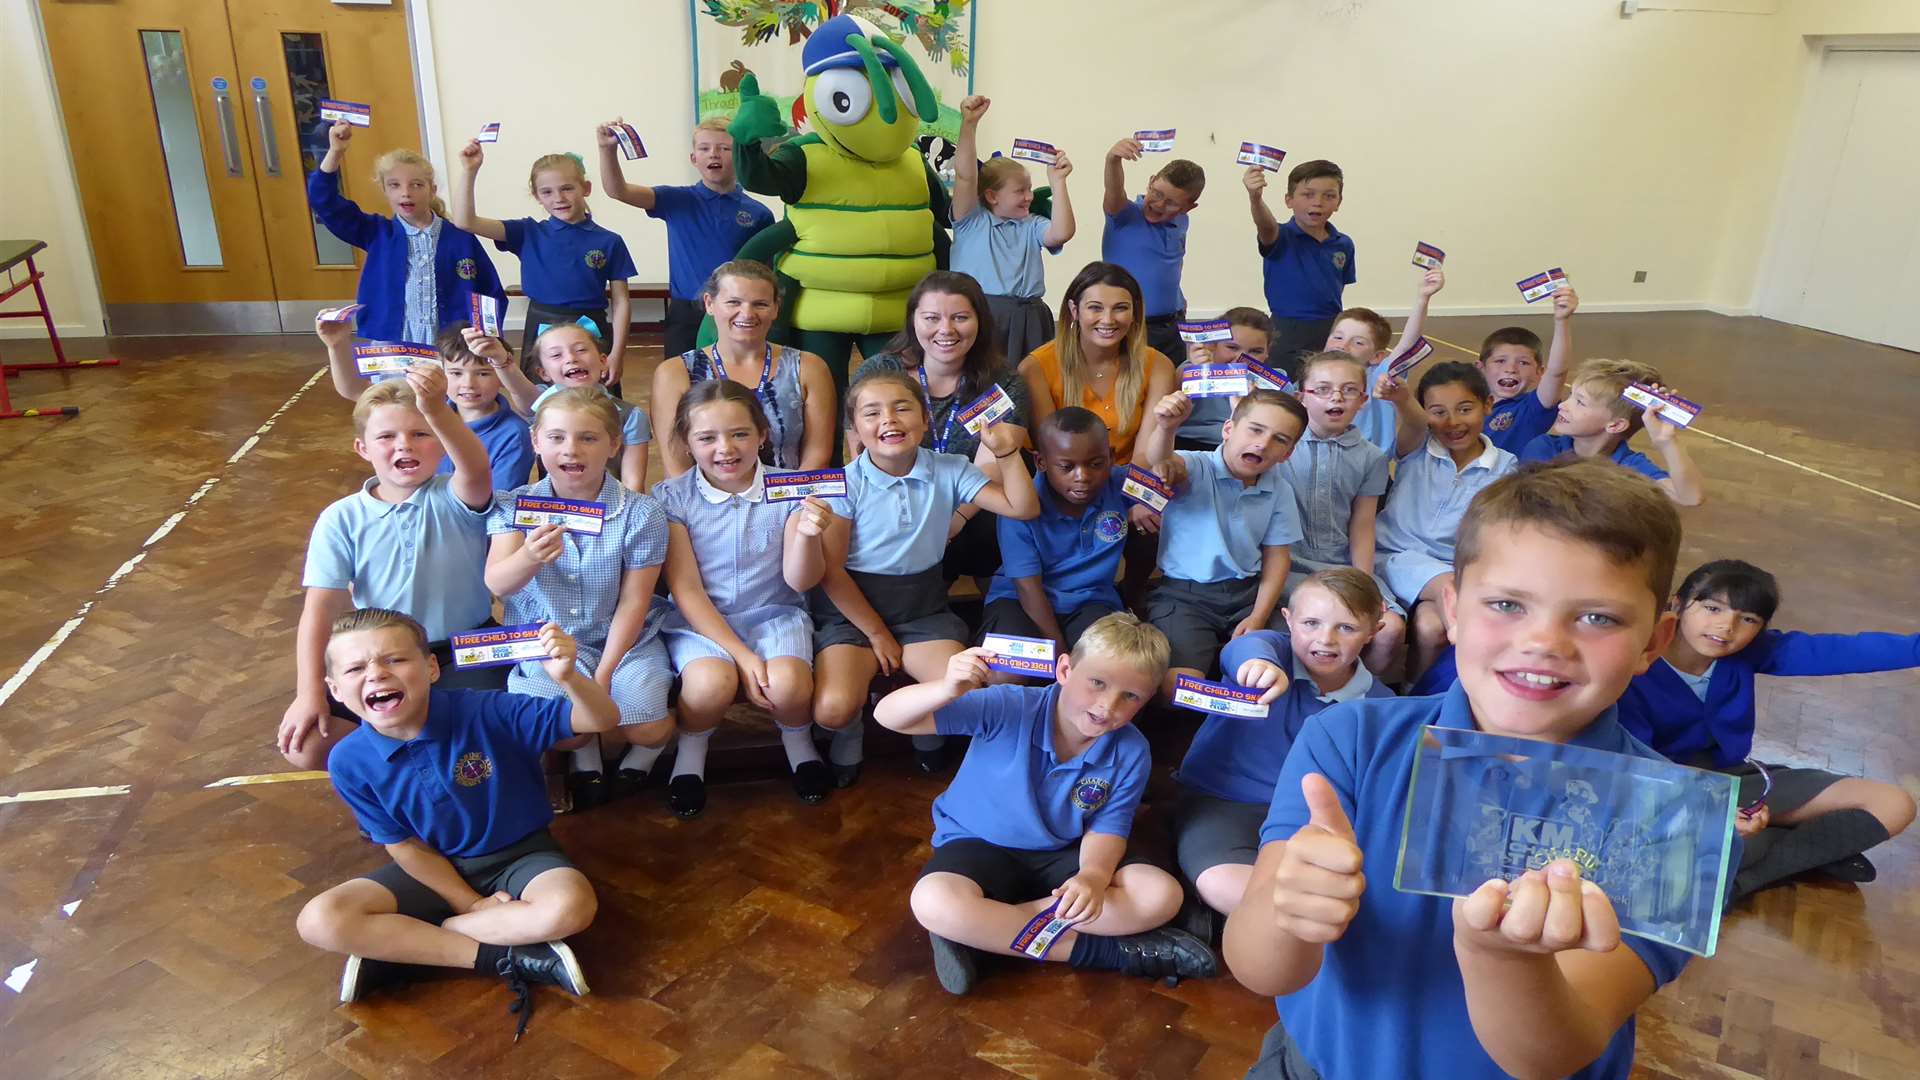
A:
[1654,836]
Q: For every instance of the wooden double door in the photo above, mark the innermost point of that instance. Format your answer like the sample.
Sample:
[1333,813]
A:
[193,125]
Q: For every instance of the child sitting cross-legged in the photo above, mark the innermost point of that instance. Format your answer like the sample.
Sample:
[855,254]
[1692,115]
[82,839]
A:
[1038,815]
[450,783]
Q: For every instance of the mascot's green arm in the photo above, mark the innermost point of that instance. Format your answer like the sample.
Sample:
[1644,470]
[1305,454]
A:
[781,172]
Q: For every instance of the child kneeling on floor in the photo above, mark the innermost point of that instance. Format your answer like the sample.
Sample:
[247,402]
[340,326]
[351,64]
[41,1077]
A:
[1037,817]
[450,782]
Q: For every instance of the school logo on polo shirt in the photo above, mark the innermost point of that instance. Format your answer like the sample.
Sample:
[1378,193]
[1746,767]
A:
[1339,260]
[744,217]
[1110,527]
[472,769]
[1091,792]
[596,258]
[465,269]
[1502,421]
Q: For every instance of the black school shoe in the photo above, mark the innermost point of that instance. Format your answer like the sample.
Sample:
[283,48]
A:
[628,782]
[1167,953]
[362,976]
[550,962]
[812,780]
[844,776]
[953,965]
[589,789]
[687,794]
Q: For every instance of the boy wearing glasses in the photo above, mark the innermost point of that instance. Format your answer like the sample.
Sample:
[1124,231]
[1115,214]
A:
[1338,476]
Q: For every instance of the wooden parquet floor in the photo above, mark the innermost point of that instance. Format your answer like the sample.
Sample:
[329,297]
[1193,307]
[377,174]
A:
[767,938]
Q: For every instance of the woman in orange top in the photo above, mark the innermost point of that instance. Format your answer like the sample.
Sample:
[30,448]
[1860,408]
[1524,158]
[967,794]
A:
[1100,358]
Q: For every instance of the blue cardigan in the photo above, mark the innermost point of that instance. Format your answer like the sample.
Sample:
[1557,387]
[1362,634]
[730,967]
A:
[1660,709]
[460,264]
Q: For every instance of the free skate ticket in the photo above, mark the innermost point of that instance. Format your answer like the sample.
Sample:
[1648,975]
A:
[1409,358]
[1264,377]
[788,486]
[1427,256]
[1214,380]
[1541,285]
[986,409]
[392,357]
[497,646]
[1252,153]
[339,314]
[575,515]
[1155,142]
[1200,333]
[1145,488]
[1672,407]
[352,112]
[1034,150]
[631,147]
[486,314]
[1036,938]
[489,133]
[1019,655]
[1212,697]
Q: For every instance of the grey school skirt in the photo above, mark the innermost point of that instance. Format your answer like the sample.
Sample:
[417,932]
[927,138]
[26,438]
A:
[914,607]
[1024,324]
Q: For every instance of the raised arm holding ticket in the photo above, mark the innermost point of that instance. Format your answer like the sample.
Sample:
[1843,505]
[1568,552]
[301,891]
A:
[998,239]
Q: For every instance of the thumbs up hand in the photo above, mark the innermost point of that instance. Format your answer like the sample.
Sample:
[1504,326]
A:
[1317,889]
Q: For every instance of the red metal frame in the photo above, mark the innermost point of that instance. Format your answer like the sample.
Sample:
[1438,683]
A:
[61,363]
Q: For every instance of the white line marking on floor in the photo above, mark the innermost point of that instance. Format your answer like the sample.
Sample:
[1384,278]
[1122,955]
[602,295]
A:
[1734,443]
[56,794]
[60,636]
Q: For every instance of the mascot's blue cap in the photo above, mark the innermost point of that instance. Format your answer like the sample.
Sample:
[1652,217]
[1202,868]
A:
[827,48]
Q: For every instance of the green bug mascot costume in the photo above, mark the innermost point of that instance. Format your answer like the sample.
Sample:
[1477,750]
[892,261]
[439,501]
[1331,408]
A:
[865,212]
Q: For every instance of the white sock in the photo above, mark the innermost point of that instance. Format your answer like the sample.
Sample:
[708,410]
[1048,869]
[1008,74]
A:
[849,746]
[586,758]
[642,757]
[798,742]
[690,755]
[929,742]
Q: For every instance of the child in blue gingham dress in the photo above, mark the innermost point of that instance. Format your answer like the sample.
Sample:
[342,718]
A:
[736,565]
[598,588]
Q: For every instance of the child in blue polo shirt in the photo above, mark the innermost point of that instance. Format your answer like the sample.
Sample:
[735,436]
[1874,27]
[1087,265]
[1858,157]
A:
[1057,570]
[1338,477]
[422,270]
[568,357]
[706,222]
[473,383]
[1524,395]
[1252,339]
[1148,237]
[1559,602]
[997,239]
[1696,706]
[449,782]
[411,539]
[1225,536]
[1036,821]
[569,265]
[1595,421]
[1228,774]
[882,605]
[1306,263]
[1445,460]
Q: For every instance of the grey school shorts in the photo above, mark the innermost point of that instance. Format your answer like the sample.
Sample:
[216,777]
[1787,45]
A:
[1208,832]
[1198,616]
[509,870]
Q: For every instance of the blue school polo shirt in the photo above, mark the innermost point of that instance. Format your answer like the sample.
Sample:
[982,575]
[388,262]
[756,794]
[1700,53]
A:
[704,229]
[1517,421]
[1011,790]
[1002,254]
[1305,277]
[425,557]
[1549,447]
[900,522]
[1152,253]
[1238,758]
[567,264]
[470,783]
[1075,558]
[1208,530]
[1326,476]
[509,444]
[1389,1001]
[1430,496]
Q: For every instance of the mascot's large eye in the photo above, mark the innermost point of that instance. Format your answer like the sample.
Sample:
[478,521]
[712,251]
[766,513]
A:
[842,96]
[905,95]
